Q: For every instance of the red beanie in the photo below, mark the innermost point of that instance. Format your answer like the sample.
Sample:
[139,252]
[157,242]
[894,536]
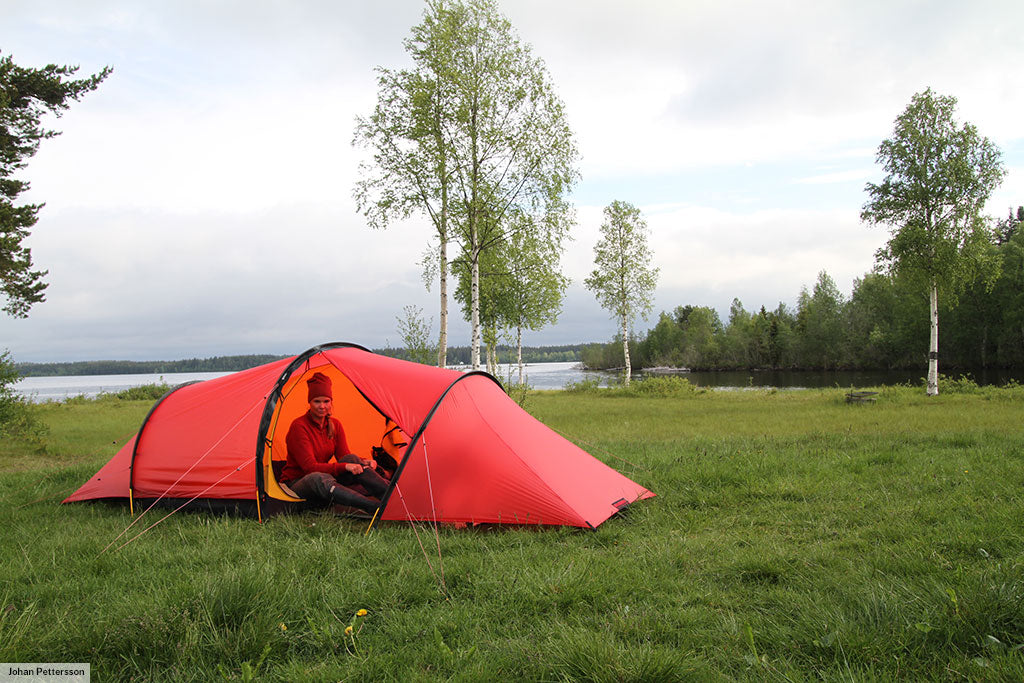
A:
[319,385]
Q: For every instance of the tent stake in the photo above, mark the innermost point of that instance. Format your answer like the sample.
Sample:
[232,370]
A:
[372,520]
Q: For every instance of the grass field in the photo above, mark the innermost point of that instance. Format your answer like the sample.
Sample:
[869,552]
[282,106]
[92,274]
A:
[794,537]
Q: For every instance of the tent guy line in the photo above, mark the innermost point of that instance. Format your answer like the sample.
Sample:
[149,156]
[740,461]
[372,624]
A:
[131,498]
[168,515]
[426,556]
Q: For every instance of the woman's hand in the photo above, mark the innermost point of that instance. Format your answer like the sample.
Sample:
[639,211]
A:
[354,468]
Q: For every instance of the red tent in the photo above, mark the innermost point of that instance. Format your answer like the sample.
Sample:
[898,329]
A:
[471,454]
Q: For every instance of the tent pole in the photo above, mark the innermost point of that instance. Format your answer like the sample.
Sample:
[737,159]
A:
[131,501]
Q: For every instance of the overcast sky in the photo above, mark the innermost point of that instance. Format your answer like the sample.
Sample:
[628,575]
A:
[199,202]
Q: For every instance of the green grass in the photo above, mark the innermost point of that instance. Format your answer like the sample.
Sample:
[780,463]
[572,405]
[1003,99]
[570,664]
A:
[794,537]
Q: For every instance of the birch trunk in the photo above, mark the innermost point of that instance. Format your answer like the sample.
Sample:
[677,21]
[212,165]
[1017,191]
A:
[625,349]
[490,339]
[475,305]
[519,352]
[933,346]
[442,341]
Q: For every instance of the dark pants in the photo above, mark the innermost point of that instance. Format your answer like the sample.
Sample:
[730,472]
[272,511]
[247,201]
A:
[322,486]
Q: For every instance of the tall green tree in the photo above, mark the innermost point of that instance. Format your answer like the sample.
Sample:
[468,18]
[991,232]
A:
[938,176]
[624,279]
[702,332]
[514,153]
[521,288]
[1009,295]
[761,338]
[820,320]
[26,95]
[410,168]
[663,345]
[534,284]
[473,135]
[781,337]
[737,337]
[1009,226]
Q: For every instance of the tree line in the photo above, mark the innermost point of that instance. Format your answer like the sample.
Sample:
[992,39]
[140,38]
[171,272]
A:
[146,367]
[459,355]
[882,325]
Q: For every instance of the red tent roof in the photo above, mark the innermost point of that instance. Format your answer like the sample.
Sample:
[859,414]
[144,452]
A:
[474,455]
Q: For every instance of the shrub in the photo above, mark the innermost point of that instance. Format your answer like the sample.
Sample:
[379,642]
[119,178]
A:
[143,392]
[671,386]
[584,386]
[146,392]
[16,416]
[518,392]
[959,385]
[661,387]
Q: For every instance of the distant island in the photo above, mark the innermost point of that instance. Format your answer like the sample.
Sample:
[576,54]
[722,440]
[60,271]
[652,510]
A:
[458,355]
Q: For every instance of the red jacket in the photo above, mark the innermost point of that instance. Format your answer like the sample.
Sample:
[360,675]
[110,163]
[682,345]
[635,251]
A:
[310,448]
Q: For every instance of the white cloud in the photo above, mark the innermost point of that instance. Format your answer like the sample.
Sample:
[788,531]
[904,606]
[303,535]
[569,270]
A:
[200,201]
[769,255]
[859,175]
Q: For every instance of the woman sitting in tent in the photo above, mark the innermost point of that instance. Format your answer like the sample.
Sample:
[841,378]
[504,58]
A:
[315,438]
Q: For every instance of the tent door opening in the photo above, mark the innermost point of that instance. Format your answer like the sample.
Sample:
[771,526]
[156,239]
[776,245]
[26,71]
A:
[368,431]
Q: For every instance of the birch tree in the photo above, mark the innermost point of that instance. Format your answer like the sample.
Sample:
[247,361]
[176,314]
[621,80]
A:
[514,153]
[409,173]
[493,283]
[623,280]
[535,287]
[472,135]
[521,287]
[938,176]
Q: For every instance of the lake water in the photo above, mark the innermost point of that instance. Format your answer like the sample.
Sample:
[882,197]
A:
[538,376]
[41,389]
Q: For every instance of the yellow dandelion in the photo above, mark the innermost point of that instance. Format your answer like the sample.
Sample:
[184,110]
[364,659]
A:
[348,630]
[283,627]
[361,613]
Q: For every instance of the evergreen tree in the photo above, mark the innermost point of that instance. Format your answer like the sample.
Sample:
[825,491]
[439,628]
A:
[25,96]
